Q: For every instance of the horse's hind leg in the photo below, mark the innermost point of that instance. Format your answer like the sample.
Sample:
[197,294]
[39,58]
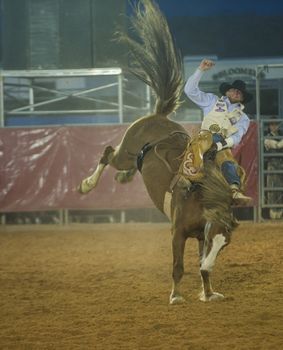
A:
[209,249]
[90,182]
[178,247]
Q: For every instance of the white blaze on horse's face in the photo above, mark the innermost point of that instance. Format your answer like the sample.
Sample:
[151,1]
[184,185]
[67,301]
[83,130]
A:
[217,243]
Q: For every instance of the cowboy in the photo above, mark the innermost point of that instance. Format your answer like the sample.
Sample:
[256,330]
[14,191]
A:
[223,126]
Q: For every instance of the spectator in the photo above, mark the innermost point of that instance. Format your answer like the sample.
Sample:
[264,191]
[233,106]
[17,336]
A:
[273,143]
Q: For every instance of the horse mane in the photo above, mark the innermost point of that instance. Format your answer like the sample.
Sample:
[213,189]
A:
[217,198]
[154,56]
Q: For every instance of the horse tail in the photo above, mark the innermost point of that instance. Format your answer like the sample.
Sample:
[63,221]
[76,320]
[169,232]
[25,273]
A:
[155,57]
[217,198]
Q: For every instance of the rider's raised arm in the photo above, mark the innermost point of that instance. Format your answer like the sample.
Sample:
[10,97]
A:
[202,99]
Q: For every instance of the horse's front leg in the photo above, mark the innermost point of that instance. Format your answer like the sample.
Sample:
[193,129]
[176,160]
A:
[214,241]
[90,182]
[178,247]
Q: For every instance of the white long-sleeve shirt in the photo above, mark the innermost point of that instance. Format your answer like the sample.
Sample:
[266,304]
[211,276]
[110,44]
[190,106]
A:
[206,101]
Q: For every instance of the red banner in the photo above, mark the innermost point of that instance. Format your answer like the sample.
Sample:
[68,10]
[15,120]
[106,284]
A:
[247,156]
[40,168]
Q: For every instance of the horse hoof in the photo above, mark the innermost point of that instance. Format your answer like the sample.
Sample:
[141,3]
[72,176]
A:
[212,297]
[125,176]
[121,177]
[84,187]
[177,300]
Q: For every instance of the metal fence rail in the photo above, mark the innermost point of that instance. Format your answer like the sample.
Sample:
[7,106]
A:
[99,91]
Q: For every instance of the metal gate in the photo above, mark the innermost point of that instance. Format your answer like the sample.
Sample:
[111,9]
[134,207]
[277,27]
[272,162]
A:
[271,152]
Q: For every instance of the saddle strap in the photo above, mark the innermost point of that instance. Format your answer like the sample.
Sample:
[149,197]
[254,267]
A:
[146,148]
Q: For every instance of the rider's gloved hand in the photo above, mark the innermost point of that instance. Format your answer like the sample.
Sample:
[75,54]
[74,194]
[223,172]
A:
[225,143]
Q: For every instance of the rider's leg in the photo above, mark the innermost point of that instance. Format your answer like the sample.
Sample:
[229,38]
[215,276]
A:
[229,169]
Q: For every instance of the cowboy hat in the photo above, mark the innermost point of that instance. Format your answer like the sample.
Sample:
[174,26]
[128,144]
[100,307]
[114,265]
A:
[239,85]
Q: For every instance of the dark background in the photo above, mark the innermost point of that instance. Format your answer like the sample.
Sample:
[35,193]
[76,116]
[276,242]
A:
[78,34]
[242,28]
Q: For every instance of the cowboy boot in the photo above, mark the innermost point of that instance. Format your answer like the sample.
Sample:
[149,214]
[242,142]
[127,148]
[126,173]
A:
[238,197]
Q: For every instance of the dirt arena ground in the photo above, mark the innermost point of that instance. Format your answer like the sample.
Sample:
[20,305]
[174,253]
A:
[107,287]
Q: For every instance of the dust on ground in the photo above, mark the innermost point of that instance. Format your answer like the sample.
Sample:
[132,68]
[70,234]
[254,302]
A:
[107,287]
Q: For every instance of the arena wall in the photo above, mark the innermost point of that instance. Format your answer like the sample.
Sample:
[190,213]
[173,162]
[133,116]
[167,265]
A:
[42,167]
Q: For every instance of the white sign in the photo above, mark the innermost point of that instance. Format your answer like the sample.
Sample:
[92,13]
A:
[233,69]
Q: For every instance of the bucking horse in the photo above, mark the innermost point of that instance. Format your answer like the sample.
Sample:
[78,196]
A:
[154,144]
